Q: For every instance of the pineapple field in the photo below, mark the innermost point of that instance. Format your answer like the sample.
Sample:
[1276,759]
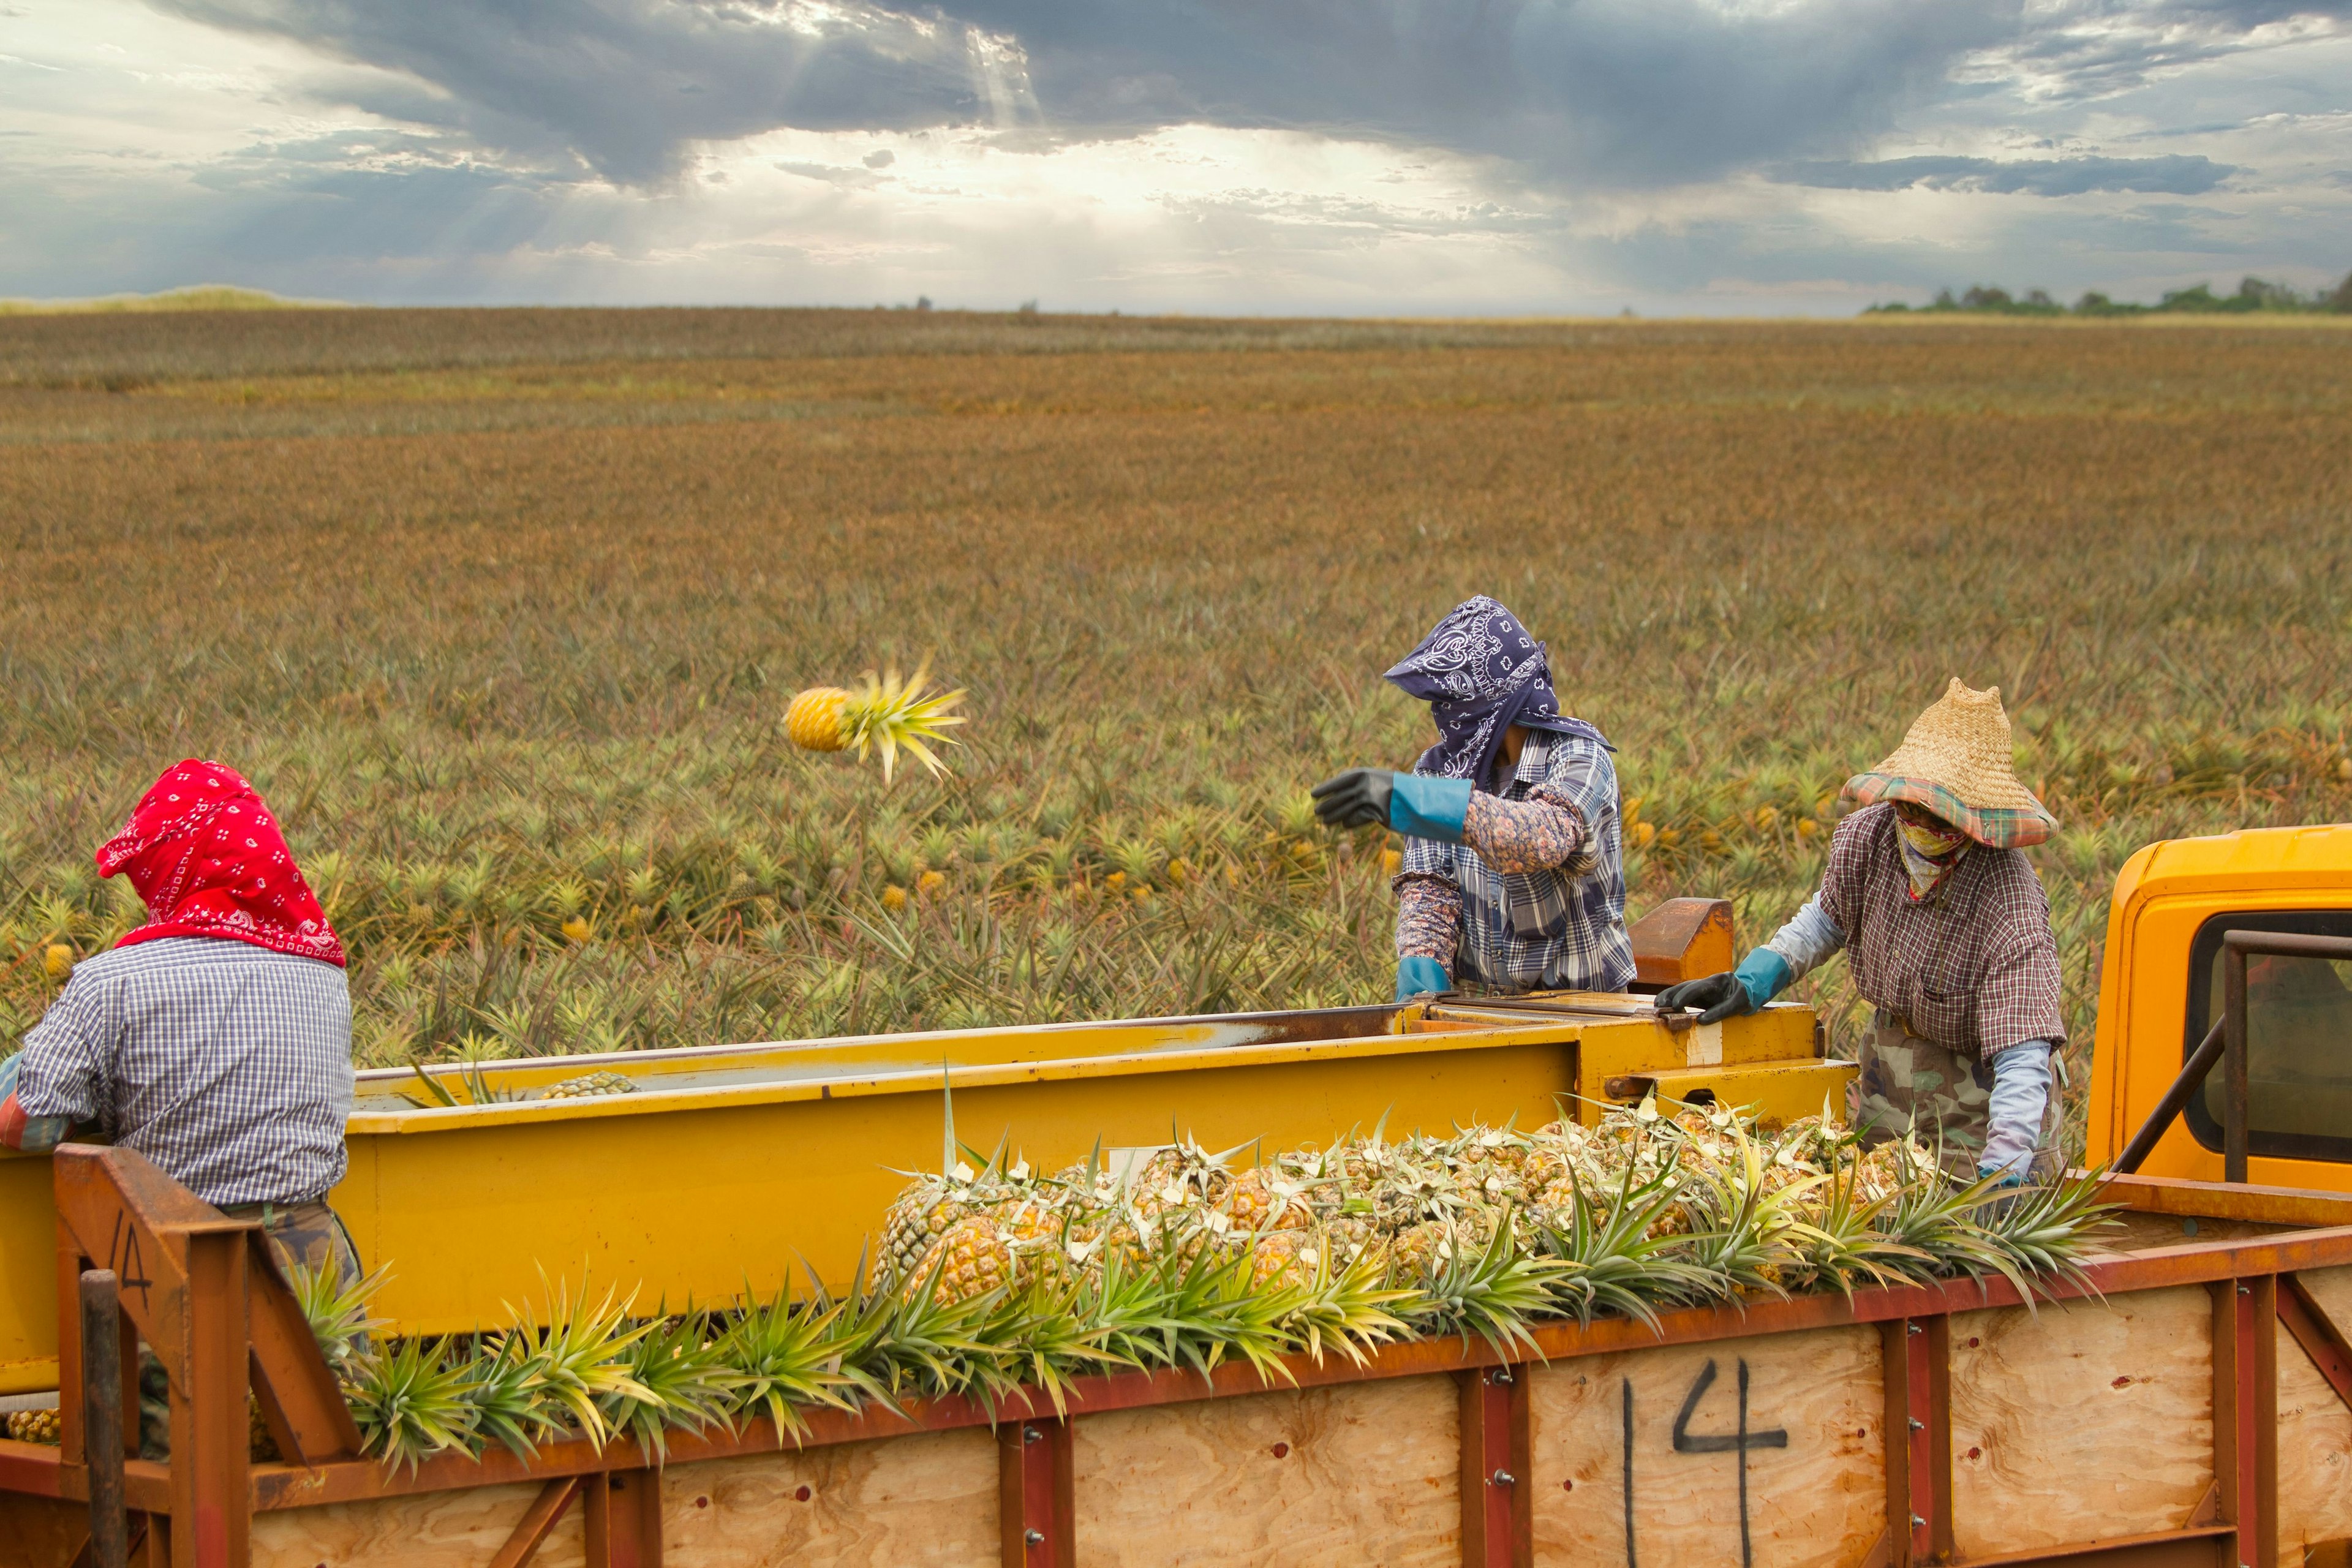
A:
[504,611]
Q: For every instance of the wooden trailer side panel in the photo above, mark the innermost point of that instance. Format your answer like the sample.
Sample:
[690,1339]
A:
[924,1501]
[2083,1421]
[433,1530]
[2315,1432]
[1658,1430]
[1352,1475]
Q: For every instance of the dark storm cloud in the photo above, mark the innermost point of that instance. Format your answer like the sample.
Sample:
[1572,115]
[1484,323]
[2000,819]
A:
[627,84]
[2174,175]
[1593,92]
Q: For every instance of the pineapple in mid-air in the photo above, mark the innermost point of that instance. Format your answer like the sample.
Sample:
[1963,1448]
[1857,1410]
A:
[883,715]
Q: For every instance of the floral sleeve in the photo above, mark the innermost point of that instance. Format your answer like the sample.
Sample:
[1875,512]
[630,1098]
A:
[1533,834]
[1429,916]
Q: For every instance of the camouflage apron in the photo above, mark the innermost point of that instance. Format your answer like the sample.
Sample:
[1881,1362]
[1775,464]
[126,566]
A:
[1908,1084]
[301,1235]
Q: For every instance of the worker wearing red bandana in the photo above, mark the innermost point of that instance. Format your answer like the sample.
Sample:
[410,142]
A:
[214,1039]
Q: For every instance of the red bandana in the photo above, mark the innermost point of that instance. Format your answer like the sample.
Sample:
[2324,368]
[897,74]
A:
[207,858]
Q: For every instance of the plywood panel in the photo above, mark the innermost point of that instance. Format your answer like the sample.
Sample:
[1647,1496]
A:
[2087,1421]
[922,1503]
[1349,1477]
[2314,1431]
[1815,1465]
[437,1529]
[925,1500]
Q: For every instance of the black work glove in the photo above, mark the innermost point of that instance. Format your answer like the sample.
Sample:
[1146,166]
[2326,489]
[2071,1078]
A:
[1722,995]
[1357,798]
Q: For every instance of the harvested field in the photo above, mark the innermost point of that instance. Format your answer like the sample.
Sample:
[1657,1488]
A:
[502,608]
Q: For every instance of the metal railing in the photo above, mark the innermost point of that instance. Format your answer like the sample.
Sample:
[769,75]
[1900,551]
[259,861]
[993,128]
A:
[2225,1043]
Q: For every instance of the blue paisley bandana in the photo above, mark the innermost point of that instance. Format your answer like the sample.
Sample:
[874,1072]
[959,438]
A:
[1481,673]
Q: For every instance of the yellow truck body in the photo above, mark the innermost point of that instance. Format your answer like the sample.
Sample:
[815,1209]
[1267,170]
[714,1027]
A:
[2160,990]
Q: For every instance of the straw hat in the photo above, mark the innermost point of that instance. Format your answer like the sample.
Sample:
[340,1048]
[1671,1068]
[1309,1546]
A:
[1956,762]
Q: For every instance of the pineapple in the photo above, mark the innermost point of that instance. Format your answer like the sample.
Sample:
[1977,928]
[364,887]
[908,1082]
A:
[971,1258]
[1257,1201]
[35,1425]
[923,1214]
[1286,1260]
[589,1085]
[885,714]
[987,1251]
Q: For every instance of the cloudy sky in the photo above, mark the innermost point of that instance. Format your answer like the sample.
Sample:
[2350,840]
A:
[1422,156]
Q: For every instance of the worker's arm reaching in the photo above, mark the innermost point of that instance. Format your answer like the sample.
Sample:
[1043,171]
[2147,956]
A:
[1429,912]
[1511,835]
[2020,1072]
[1538,834]
[1809,939]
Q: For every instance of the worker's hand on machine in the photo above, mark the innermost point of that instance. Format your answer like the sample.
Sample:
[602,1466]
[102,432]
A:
[1721,995]
[1357,798]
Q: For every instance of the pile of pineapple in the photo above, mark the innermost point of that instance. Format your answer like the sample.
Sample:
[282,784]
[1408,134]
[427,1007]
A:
[1712,1206]
[991,1275]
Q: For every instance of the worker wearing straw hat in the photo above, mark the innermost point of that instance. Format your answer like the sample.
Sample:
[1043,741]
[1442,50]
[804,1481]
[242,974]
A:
[1948,933]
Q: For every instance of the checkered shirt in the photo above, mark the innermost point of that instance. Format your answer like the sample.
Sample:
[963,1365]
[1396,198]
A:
[226,1064]
[1558,930]
[1973,966]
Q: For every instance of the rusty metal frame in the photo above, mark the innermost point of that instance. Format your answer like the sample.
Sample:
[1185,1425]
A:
[2318,1333]
[1036,1507]
[1498,1499]
[2245,1413]
[2204,1546]
[1915,1357]
[538,1522]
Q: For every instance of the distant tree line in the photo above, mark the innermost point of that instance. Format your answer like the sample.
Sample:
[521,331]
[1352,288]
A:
[2254,295]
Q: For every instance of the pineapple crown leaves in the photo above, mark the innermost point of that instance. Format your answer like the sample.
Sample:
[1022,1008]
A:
[581,1357]
[1346,1310]
[340,1316]
[680,1375]
[1493,1292]
[889,713]
[786,1354]
[412,1401]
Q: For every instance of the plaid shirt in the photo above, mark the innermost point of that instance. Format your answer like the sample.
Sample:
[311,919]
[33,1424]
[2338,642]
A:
[1561,928]
[226,1064]
[1973,967]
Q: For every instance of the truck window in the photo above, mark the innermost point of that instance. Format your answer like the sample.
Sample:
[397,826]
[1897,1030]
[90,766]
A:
[2298,1039]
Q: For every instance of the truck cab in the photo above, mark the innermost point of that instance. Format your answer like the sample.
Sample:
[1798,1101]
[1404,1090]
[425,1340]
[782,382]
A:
[2161,989]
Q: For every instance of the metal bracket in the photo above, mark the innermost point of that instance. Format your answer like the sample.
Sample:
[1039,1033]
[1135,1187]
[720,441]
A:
[1497,1513]
[1037,1520]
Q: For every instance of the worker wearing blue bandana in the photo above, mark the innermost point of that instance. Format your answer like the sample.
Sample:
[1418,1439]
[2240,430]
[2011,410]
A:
[1513,877]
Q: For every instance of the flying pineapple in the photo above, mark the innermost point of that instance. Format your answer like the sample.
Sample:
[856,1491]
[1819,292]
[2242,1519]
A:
[884,715]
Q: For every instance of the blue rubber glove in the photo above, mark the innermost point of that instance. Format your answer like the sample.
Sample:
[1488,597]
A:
[1763,974]
[1416,975]
[1420,806]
